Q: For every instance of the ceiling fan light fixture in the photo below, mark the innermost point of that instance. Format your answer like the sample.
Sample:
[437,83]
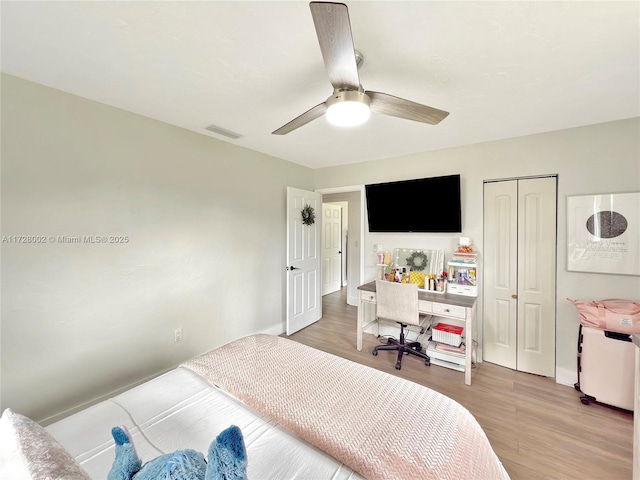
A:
[348,108]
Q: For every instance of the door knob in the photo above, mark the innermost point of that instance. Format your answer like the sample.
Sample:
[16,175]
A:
[514,296]
[292,268]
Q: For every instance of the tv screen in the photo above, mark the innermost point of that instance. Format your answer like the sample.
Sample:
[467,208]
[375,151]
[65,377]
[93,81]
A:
[420,205]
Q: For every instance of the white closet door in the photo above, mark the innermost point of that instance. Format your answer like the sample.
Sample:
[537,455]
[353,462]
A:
[537,276]
[500,272]
[519,274]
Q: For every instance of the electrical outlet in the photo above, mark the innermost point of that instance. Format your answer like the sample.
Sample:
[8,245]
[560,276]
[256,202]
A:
[177,335]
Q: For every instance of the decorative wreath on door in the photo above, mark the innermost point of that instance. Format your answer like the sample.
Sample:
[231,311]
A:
[417,261]
[308,215]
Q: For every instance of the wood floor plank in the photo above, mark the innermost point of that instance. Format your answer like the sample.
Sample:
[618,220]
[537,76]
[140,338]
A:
[538,428]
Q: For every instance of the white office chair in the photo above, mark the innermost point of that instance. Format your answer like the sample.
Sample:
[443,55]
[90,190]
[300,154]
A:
[399,302]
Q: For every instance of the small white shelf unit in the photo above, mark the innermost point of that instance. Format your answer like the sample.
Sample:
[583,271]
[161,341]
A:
[463,278]
[453,360]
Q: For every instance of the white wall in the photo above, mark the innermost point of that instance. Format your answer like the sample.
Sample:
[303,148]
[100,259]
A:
[593,159]
[205,250]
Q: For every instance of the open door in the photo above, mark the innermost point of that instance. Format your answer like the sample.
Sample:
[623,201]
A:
[304,305]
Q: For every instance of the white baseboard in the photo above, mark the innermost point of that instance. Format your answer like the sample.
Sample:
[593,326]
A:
[565,376]
[275,329]
[54,418]
[352,300]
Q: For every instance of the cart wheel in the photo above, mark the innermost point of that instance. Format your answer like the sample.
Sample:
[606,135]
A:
[577,386]
[585,400]
[398,365]
[374,352]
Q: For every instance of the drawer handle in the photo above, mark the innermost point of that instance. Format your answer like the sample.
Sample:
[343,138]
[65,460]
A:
[446,309]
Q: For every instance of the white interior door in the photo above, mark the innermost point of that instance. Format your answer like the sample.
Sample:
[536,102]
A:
[500,273]
[331,248]
[520,259]
[537,276]
[304,305]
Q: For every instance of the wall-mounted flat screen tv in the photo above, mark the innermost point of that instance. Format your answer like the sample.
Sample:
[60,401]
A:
[419,205]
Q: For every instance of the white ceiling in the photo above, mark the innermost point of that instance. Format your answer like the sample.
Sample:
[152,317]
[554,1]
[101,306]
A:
[503,69]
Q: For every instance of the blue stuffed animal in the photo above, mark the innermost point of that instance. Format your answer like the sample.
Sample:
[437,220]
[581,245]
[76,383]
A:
[227,460]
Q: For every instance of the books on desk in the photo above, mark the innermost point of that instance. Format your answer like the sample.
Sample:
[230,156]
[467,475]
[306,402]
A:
[443,347]
[467,257]
[433,346]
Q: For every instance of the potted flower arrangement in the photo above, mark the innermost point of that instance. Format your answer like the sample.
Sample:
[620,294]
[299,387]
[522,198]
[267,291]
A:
[441,282]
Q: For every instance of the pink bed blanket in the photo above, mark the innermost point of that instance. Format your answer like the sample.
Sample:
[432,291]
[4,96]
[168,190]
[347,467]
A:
[380,425]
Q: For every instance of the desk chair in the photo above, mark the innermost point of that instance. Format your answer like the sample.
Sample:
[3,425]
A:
[399,302]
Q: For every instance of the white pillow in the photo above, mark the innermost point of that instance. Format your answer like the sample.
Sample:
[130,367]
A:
[28,451]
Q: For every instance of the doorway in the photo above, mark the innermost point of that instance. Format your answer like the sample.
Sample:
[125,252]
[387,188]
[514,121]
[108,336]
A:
[332,247]
[353,253]
[520,230]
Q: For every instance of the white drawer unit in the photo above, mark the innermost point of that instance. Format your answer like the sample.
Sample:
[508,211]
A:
[468,290]
[367,296]
[446,310]
[425,307]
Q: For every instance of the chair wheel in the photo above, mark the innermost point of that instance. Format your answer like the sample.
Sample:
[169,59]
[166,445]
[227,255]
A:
[374,352]
[398,366]
[427,363]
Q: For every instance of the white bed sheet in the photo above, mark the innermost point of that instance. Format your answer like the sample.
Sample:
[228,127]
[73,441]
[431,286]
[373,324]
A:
[180,410]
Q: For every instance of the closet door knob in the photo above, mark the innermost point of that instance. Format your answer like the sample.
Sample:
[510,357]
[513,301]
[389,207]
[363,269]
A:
[514,296]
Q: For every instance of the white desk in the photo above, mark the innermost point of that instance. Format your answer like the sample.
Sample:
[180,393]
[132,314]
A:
[442,305]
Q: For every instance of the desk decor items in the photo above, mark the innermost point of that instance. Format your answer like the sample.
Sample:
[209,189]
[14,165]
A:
[417,261]
[417,278]
[308,215]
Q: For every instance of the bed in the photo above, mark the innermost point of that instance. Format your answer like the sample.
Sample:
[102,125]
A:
[303,413]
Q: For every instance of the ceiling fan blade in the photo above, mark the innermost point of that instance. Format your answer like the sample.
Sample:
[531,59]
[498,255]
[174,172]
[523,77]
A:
[336,43]
[303,119]
[401,108]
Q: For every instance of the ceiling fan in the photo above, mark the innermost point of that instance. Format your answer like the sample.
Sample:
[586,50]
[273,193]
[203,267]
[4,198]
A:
[350,104]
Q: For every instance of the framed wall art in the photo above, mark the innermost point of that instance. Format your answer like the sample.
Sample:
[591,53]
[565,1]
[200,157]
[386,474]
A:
[603,233]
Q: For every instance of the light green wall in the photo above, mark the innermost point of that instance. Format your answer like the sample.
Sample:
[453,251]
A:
[594,159]
[206,246]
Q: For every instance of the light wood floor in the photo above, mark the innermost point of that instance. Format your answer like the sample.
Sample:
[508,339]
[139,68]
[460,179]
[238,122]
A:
[538,428]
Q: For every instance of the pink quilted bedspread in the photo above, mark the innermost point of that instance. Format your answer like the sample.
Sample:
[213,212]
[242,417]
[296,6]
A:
[382,426]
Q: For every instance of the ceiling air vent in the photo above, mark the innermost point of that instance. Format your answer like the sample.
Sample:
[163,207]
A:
[223,132]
